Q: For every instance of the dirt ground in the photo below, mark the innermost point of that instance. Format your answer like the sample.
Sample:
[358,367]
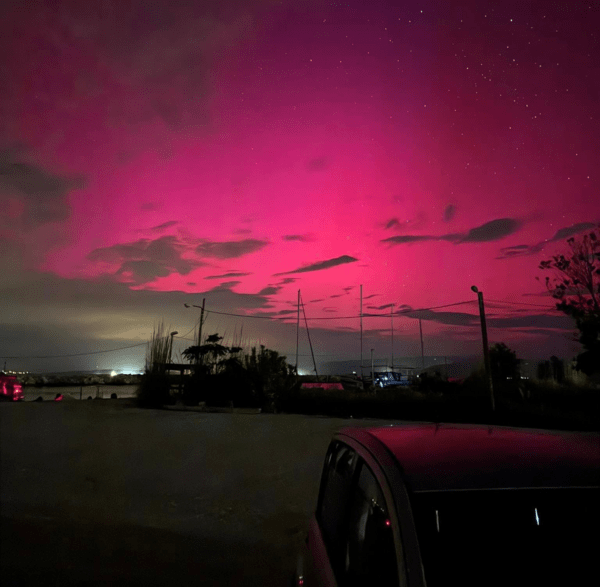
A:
[99,493]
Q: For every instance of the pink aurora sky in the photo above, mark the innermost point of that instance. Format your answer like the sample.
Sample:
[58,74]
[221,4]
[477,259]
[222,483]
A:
[155,155]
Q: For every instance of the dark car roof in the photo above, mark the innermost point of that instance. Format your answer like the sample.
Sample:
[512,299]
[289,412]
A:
[436,457]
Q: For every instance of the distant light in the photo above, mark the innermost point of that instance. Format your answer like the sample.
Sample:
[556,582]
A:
[113,373]
[537,518]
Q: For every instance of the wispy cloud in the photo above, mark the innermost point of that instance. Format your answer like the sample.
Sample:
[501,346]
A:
[144,260]
[230,249]
[449,212]
[560,234]
[319,266]
[164,225]
[227,275]
[304,238]
[490,231]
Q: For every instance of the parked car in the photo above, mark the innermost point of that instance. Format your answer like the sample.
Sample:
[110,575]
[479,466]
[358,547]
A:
[10,388]
[445,504]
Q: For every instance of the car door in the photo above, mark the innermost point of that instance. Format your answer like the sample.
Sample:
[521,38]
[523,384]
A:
[354,542]
[370,549]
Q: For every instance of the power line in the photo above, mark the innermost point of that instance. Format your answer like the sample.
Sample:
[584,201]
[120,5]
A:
[523,304]
[340,317]
[77,354]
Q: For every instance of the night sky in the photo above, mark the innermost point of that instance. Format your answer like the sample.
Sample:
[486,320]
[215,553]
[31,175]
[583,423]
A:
[153,154]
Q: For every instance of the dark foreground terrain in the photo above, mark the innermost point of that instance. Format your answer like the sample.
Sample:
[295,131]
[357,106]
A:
[104,493]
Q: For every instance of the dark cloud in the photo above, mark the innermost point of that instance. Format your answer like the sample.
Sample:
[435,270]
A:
[268,291]
[230,249]
[226,285]
[370,296]
[407,238]
[139,272]
[392,223]
[44,194]
[449,212]
[490,231]
[336,296]
[318,164]
[384,307]
[287,280]
[560,234]
[227,275]
[304,238]
[322,265]
[493,230]
[564,233]
[145,260]
[164,225]
[531,320]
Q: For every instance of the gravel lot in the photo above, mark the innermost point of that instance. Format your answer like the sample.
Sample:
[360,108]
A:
[105,493]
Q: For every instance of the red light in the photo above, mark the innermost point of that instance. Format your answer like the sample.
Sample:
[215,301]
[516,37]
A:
[388,523]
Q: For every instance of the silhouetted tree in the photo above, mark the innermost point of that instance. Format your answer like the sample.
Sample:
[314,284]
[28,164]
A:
[576,285]
[504,362]
[213,355]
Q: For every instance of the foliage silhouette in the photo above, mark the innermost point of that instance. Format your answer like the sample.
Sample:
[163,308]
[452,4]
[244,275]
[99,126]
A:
[575,283]
[504,362]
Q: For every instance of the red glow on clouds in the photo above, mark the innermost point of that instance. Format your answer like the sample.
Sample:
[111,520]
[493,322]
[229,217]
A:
[291,137]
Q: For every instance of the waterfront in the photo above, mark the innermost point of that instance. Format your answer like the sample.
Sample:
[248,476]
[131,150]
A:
[75,392]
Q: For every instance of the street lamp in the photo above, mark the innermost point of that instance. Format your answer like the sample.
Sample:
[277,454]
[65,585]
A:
[486,352]
[171,345]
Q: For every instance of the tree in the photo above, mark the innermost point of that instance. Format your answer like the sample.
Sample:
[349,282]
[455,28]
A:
[504,362]
[575,283]
[213,355]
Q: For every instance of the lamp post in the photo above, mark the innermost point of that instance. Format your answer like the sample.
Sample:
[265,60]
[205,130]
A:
[171,345]
[486,352]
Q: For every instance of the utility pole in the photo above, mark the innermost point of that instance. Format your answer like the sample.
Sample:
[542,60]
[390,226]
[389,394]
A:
[297,332]
[372,370]
[309,342]
[201,322]
[486,351]
[392,314]
[422,353]
[200,329]
[171,345]
[361,336]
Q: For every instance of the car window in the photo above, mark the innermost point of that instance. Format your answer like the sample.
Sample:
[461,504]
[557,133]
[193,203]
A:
[335,494]
[370,557]
[515,537]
